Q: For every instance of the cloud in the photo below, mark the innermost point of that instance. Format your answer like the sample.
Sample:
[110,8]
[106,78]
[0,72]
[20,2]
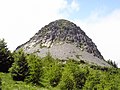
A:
[70,8]
[74,5]
[105,32]
[20,20]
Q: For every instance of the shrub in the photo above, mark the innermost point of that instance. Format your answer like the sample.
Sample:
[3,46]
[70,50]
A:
[6,59]
[19,69]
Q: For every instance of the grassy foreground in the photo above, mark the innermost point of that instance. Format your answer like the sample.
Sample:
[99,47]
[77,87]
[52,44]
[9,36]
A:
[9,84]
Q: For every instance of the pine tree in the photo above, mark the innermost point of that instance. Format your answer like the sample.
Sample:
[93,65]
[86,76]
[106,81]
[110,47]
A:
[19,69]
[35,69]
[6,59]
[112,63]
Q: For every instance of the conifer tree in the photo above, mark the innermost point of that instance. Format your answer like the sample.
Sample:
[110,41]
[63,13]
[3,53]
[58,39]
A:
[19,69]
[6,59]
[35,69]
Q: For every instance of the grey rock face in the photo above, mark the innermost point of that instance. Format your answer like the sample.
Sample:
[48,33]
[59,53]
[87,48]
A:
[62,33]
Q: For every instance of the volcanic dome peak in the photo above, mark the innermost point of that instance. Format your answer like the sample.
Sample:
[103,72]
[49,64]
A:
[63,39]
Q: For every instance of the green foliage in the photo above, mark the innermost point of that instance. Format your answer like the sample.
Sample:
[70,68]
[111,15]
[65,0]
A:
[51,71]
[0,83]
[99,80]
[99,68]
[68,84]
[35,69]
[9,84]
[6,59]
[73,76]
[53,74]
[92,81]
[55,79]
[26,67]
[112,63]
[19,69]
[79,78]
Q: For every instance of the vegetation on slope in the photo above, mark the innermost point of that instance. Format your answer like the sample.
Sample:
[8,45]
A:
[29,72]
[112,63]
[71,75]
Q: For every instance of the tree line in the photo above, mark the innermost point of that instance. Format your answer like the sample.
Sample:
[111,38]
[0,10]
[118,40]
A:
[53,73]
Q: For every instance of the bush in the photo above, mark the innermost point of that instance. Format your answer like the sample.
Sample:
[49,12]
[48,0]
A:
[6,59]
[19,69]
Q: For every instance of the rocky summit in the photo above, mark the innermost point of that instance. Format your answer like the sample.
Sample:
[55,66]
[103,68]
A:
[64,40]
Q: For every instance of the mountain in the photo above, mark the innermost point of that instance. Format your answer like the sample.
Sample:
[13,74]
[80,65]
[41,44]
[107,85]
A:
[64,40]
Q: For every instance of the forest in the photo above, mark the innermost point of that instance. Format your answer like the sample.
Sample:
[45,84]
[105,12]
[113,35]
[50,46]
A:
[21,71]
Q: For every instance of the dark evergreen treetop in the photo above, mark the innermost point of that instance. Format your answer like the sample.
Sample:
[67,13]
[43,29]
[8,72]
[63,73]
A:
[6,59]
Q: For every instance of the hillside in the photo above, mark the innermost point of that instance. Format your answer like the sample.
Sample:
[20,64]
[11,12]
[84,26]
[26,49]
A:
[55,69]
[59,76]
[64,40]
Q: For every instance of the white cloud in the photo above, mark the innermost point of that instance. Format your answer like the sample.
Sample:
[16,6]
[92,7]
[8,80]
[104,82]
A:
[70,8]
[21,19]
[105,32]
[74,5]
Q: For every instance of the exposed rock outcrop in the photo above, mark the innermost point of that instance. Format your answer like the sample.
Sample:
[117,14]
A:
[64,39]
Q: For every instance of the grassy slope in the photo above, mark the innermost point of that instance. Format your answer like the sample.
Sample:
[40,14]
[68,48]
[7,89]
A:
[110,78]
[9,84]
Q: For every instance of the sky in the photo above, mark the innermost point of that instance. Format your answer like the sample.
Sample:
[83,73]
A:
[100,19]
